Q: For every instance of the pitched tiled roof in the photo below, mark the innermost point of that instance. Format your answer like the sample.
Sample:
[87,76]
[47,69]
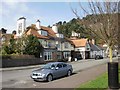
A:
[49,30]
[35,33]
[33,30]
[79,42]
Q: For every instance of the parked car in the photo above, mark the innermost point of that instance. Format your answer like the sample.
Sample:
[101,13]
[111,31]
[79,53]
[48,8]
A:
[51,71]
[98,57]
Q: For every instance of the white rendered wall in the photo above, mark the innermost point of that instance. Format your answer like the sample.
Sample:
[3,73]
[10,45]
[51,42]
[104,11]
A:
[21,25]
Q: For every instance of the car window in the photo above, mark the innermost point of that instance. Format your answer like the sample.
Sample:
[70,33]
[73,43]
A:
[64,65]
[59,66]
[47,66]
[52,66]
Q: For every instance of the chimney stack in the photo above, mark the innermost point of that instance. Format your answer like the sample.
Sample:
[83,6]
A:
[38,24]
[55,28]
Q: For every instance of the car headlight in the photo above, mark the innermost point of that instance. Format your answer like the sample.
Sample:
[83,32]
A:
[40,74]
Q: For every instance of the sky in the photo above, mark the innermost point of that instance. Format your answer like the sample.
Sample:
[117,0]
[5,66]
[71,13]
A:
[48,12]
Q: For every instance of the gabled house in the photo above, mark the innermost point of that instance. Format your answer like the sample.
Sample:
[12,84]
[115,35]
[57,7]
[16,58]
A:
[55,45]
[82,46]
[96,50]
[87,48]
[46,38]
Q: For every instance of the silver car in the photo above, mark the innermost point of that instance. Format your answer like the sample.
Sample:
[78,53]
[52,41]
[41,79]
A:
[51,71]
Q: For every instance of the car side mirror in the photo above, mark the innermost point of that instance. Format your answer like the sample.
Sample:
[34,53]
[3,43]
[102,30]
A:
[57,68]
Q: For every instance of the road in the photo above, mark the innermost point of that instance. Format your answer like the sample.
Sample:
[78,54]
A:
[82,68]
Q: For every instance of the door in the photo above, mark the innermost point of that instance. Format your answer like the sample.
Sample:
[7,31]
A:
[65,69]
[59,71]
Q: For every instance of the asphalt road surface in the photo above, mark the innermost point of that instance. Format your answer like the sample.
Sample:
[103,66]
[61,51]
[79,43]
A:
[84,70]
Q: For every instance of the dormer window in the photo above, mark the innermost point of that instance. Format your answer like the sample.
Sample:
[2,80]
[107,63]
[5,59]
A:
[44,33]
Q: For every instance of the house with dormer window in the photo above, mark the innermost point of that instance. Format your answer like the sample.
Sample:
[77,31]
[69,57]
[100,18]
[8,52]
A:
[55,45]
[47,40]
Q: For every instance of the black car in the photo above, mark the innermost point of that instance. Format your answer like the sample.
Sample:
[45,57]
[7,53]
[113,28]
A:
[98,57]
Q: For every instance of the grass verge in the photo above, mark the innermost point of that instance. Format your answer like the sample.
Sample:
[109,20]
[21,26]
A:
[101,82]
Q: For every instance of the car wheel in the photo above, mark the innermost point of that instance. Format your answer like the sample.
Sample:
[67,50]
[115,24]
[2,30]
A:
[69,73]
[49,78]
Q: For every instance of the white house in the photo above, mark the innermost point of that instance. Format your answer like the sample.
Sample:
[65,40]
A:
[55,45]
[82,46]
[95,50]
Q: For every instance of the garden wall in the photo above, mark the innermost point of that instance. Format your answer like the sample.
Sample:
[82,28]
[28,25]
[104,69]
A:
[21,61]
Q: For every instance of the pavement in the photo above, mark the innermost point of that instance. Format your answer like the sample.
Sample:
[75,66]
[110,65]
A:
[38,66]
[75,65]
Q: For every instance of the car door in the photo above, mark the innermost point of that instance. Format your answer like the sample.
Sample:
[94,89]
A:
[54,71]
[59,70]
[65,69]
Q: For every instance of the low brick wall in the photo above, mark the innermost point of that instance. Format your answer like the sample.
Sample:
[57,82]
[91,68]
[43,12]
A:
[20,62]
[17,56]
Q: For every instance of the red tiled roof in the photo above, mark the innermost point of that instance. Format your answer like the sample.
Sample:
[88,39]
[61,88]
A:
[79,42]
[49,30]
[34,31]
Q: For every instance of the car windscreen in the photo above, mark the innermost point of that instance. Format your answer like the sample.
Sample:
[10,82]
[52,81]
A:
[47,66]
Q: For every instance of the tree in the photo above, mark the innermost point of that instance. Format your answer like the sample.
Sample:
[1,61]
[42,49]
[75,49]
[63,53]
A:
[101,22]
[14,46]
[10,48]
[67,27]
[32,46]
